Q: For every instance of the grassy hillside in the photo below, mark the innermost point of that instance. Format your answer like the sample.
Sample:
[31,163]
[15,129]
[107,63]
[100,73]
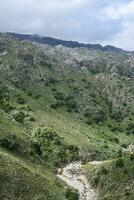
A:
[23,173]
[58,105]
[19,180]
[113,179]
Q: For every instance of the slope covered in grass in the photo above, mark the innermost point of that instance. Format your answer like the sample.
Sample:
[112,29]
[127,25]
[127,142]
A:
[23,174]
[22,180]
[113,179]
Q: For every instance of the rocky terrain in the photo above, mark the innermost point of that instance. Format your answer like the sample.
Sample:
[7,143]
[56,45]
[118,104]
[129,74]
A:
[73,176]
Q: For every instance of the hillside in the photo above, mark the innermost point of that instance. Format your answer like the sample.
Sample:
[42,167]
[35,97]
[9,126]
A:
[113,179]
[59,105]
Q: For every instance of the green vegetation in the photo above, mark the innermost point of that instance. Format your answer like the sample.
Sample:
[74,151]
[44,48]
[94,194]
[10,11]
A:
[25,181]
[52,148]
[113,179]
[58,105]
[10,142]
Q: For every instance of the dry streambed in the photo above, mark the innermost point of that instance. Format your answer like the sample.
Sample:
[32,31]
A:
[73,176]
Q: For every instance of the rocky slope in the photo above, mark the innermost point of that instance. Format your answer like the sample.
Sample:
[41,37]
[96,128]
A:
[72,174]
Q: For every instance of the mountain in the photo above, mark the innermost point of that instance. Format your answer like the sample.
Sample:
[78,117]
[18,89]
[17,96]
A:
[72,44]
[59,105]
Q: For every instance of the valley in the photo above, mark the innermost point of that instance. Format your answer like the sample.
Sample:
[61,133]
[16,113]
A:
[70,109]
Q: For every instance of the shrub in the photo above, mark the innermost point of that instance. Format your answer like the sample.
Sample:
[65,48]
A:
[51,148]
[116,127]
[3,46]
[117,114]
[130,128]
[70,195]
[132,157]
[4,98]
[31,119]
[29,93]
[124,145]
[19,116]
[96,180]
[56,104]
[59,95]
[36,96]
[116,140]
[104,171]
[10,142]
[89,121]
[120,153]
[119,162]
[20,100]
[94,115]
[28,58]
[84,79]
[53,89]
[71,103]
[50,81]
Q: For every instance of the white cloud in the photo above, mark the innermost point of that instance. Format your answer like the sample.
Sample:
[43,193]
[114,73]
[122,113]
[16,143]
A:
[125,38]
[123,13]
[120,10]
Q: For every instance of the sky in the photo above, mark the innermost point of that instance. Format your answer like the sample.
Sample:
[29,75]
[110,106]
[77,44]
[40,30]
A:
[91,21]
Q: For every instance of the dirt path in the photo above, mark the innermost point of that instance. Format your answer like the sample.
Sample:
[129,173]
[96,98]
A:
[72,175]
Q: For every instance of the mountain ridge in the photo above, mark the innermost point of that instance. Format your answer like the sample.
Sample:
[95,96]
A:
[72,44]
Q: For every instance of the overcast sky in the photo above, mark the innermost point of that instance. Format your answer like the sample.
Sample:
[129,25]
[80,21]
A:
[90,21]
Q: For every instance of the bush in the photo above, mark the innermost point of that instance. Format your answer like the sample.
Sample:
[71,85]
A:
[124,145]
[116,127]
[56,104]
[3,46]
[70,195]
[54,90]
[19,116]
[36,96]
[104,171]
[28,58]
[120,153]
[20,100]
[59,95]
[117,114]
[96,181]
[119,162]
[31,119]
[50,81]
[132,157]
[71,103]
[116,140]
[130,128]
[51,148]
[84,79]
[10,142]
[4,98]
[94,115]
